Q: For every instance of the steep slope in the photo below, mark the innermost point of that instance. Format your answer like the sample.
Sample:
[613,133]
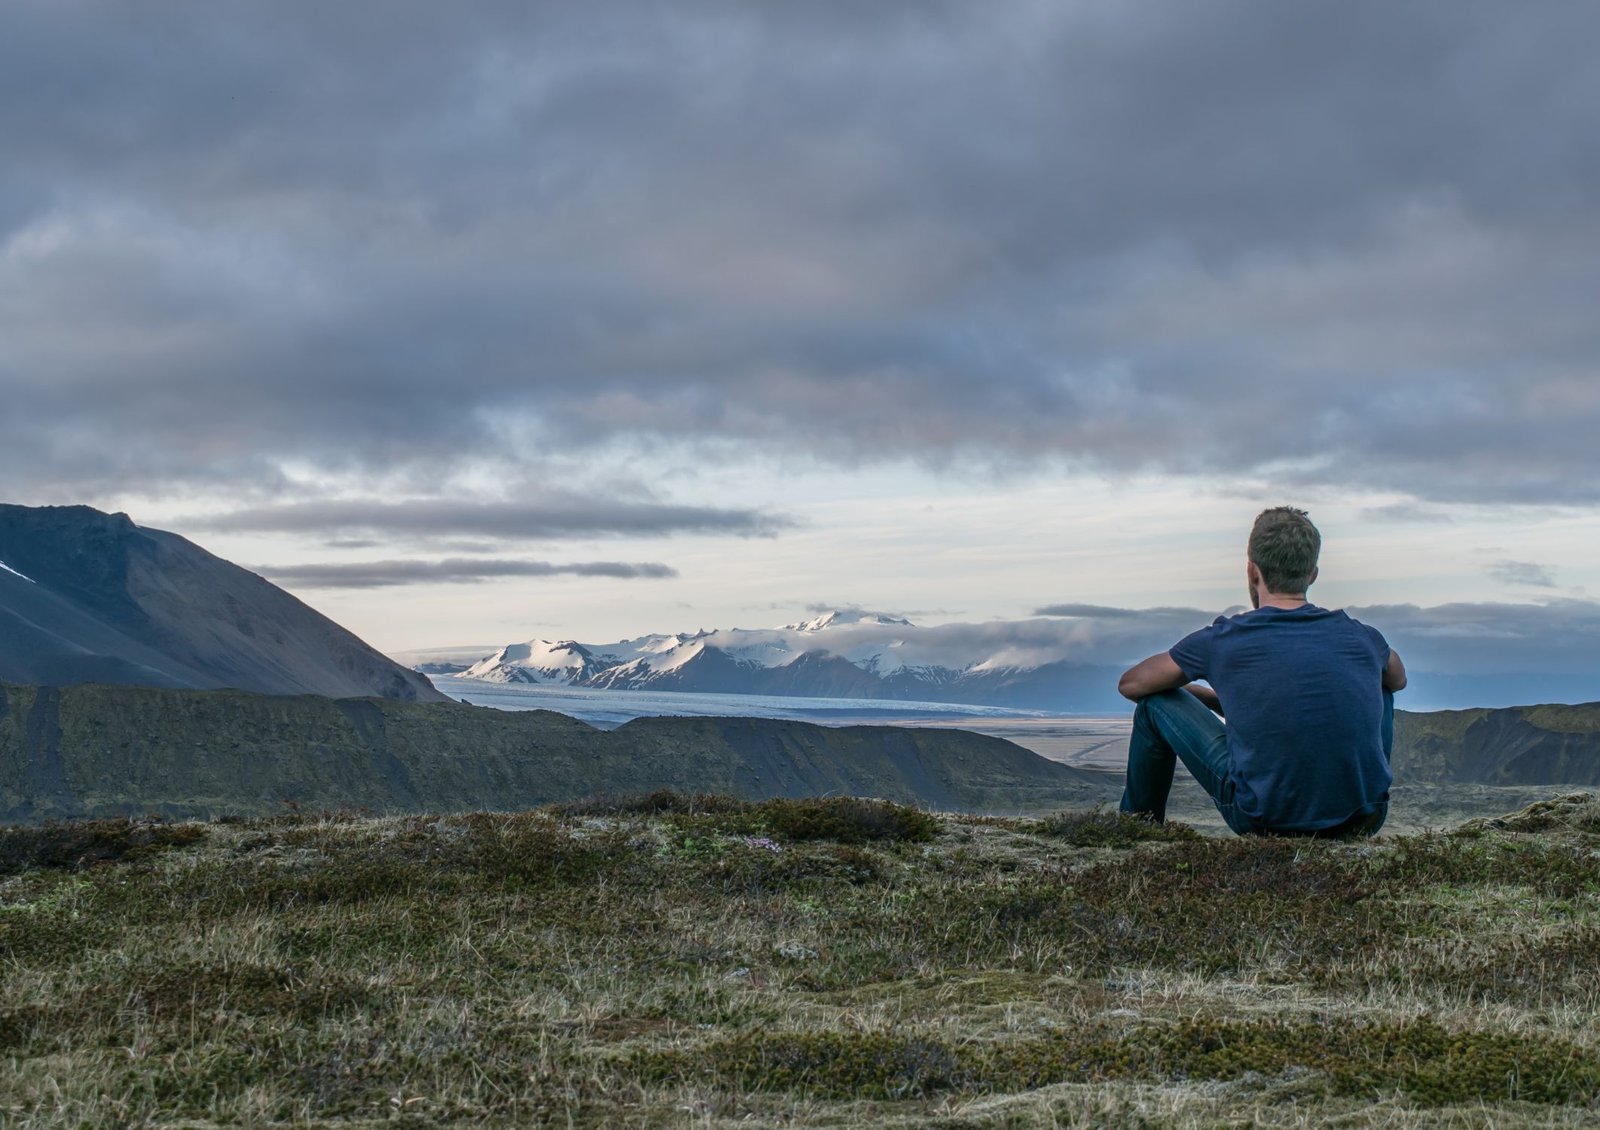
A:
[1520,745]
[91,597]
[98,750]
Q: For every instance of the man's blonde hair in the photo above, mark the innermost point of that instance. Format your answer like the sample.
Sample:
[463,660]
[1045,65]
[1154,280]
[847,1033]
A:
[1284,546]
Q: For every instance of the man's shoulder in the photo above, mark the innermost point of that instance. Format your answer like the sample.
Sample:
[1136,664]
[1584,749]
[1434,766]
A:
[1307,621]
[1310,626]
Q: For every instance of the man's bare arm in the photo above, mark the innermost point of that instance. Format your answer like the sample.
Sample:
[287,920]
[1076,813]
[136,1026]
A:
[1394,673]
[1151,676]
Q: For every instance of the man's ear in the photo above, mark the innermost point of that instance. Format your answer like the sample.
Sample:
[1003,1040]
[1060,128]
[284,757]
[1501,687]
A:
[1313,579]
[1252,575]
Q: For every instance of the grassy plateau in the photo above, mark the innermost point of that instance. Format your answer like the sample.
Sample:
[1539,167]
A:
[677,961]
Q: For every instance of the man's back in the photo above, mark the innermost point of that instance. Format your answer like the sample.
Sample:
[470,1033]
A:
[1302,690]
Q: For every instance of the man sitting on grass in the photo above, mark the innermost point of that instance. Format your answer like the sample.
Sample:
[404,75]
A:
[1308,697]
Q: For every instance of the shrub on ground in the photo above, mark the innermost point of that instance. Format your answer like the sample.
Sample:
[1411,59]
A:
[1102,827]
[83,843]
[662,802]
[849,820]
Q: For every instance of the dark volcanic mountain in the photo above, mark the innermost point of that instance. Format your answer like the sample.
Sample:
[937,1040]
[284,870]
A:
[89,597]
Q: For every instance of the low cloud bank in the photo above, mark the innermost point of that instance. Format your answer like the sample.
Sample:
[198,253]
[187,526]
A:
[554,515]
[456,570]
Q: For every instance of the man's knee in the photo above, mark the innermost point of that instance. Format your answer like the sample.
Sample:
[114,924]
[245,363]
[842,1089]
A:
[1142,721]
[1146,710]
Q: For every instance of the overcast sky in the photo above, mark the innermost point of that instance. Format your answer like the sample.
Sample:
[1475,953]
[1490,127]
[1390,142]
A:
[481,321]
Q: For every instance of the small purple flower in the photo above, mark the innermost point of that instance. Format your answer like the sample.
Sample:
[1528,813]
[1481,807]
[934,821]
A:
[762,842]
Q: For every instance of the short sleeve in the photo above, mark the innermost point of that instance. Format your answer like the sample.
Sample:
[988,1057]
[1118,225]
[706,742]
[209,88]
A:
[1193,652]
[1378,642]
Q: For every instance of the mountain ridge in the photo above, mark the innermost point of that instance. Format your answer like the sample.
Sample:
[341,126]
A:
[1524,745]
[88,596]
[836,654]
[116,750]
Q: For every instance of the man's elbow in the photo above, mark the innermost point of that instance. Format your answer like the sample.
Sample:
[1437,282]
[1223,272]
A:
[1131,687]
[1394,674]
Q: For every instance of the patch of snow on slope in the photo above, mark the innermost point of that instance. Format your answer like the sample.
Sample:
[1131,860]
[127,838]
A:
[14,573]
[676,657]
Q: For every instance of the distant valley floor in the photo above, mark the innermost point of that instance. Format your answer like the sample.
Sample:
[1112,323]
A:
[1082,741]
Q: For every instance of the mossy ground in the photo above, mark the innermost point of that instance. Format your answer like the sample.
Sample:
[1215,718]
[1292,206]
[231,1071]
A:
[702,962]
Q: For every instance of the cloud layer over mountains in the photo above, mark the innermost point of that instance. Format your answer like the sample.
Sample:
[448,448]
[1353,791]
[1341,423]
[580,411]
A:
[242,246]
[1458,655]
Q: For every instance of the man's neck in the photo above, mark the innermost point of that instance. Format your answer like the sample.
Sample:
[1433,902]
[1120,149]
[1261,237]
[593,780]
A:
[1285,601]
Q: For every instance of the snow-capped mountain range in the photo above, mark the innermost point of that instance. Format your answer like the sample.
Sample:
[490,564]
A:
[839,654]
[1063,658]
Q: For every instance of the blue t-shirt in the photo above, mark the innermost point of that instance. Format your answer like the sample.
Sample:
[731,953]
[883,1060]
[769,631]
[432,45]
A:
[1302,689]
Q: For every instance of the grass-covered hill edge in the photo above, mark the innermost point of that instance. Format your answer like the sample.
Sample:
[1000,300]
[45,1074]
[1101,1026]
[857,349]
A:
[675,961]
[111,750]
[1519,745]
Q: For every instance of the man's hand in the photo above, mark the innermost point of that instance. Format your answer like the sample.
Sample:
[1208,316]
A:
[1152,676]
[1207,696]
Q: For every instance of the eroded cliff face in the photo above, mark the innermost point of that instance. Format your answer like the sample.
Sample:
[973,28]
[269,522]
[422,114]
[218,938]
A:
[1520,745]
[92,597]
[106,750]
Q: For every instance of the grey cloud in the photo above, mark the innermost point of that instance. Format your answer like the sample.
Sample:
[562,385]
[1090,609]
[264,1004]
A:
[1407,513]
[1463,654]
[553,516]
[1556,636]
[1553,637]
[455,570]
[1349,244]
[1093,611]
[352,543]
[819,606]
[1523,573]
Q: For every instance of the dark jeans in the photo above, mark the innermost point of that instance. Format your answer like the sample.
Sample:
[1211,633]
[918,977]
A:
[1175,725]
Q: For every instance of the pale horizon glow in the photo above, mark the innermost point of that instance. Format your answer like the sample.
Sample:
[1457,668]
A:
[940,547]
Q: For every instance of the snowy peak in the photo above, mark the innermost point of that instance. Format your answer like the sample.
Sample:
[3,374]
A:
[871,641]
[840,617]
[537,661]
[839,654]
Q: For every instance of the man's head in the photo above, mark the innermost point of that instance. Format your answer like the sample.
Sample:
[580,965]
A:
[1284,547]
